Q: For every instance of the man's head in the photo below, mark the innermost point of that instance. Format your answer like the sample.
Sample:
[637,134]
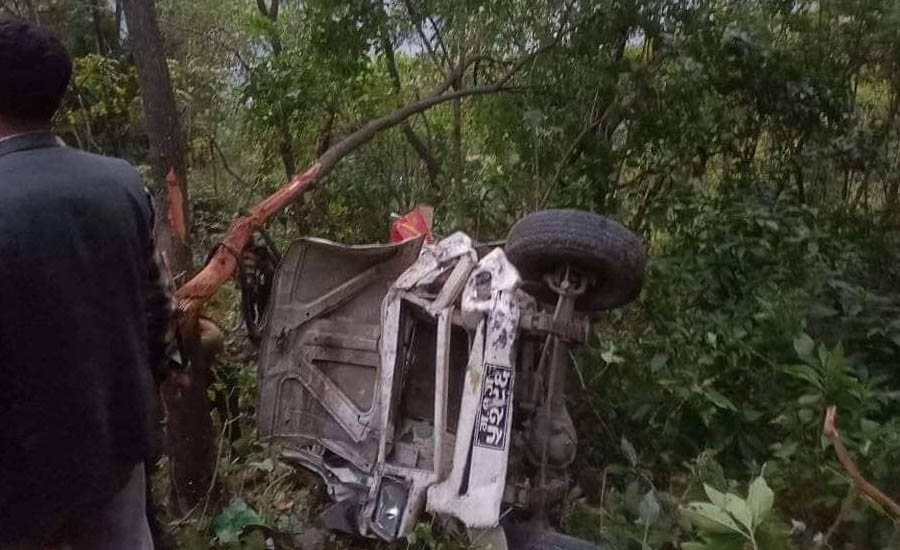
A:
[35,69]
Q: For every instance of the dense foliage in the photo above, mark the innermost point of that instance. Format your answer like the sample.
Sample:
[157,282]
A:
[754,144]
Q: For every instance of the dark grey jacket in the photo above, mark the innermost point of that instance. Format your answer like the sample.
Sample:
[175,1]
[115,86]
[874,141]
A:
[82,315]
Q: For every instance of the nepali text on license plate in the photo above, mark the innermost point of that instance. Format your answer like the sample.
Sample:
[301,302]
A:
[495,398]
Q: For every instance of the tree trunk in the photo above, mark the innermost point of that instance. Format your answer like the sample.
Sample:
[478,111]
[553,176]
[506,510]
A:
[189,438]
[456,143]
[456,137]
[287,152]
[167,155]
[892,190]
[119,16]
[286,147]
[97,17]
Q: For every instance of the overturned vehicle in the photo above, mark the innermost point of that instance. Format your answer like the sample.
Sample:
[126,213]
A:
[416,377]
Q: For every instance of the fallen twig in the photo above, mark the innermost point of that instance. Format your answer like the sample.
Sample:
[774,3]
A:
[831,432]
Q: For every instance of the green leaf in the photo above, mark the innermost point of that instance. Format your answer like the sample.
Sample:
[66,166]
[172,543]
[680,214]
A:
[868,426]
[694,546]
[633,494]
[629,452]
[821,311]
[719,400]
[824,357]
[806,373]
[533,117]
[716,497]
[709,517]
[648,509]
[760,499]
[786,450]
[809,399]
[723,541]
[895,338]
[739,510]
[610,357]
[804,345]
[806,415]
[229,524]
[658,362]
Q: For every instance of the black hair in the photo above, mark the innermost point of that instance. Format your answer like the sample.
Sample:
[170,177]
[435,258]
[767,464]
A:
[35,69]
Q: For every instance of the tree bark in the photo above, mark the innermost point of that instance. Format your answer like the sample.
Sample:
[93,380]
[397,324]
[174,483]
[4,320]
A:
[119,15]
[324,141]
[97,17]
[892,189]
[189,435]
[287,151]
[167,154]
[456,137]
[456,142]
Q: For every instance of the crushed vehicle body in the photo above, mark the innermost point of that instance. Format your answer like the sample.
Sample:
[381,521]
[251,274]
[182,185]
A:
[415,376]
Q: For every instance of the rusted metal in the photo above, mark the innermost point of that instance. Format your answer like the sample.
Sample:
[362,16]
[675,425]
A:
[319,359]
[576,330]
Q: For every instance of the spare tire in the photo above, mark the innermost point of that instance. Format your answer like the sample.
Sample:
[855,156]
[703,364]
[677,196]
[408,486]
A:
[604,250]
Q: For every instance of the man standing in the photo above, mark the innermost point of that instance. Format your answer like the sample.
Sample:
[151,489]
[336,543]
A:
[83,314]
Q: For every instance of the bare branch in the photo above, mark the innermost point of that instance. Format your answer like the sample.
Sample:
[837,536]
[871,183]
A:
[610,109]
[324,141]
[831,432]
[223,263]
[440,40]
[431,164]
[417,23]
[235,175]
[272,14]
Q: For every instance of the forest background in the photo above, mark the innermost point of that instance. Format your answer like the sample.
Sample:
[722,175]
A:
[753,144]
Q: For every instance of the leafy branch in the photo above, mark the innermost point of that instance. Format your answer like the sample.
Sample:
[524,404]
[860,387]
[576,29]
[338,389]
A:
[727,518]
[224,261]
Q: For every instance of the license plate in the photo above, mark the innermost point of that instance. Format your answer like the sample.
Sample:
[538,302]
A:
[496,394]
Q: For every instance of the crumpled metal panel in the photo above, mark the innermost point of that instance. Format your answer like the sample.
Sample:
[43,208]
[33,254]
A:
[401,362]
[319,358]
[483,432]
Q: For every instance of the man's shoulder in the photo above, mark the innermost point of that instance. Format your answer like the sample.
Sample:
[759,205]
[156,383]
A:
[65,173]
[102,163]
[56,157]
[94,168]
